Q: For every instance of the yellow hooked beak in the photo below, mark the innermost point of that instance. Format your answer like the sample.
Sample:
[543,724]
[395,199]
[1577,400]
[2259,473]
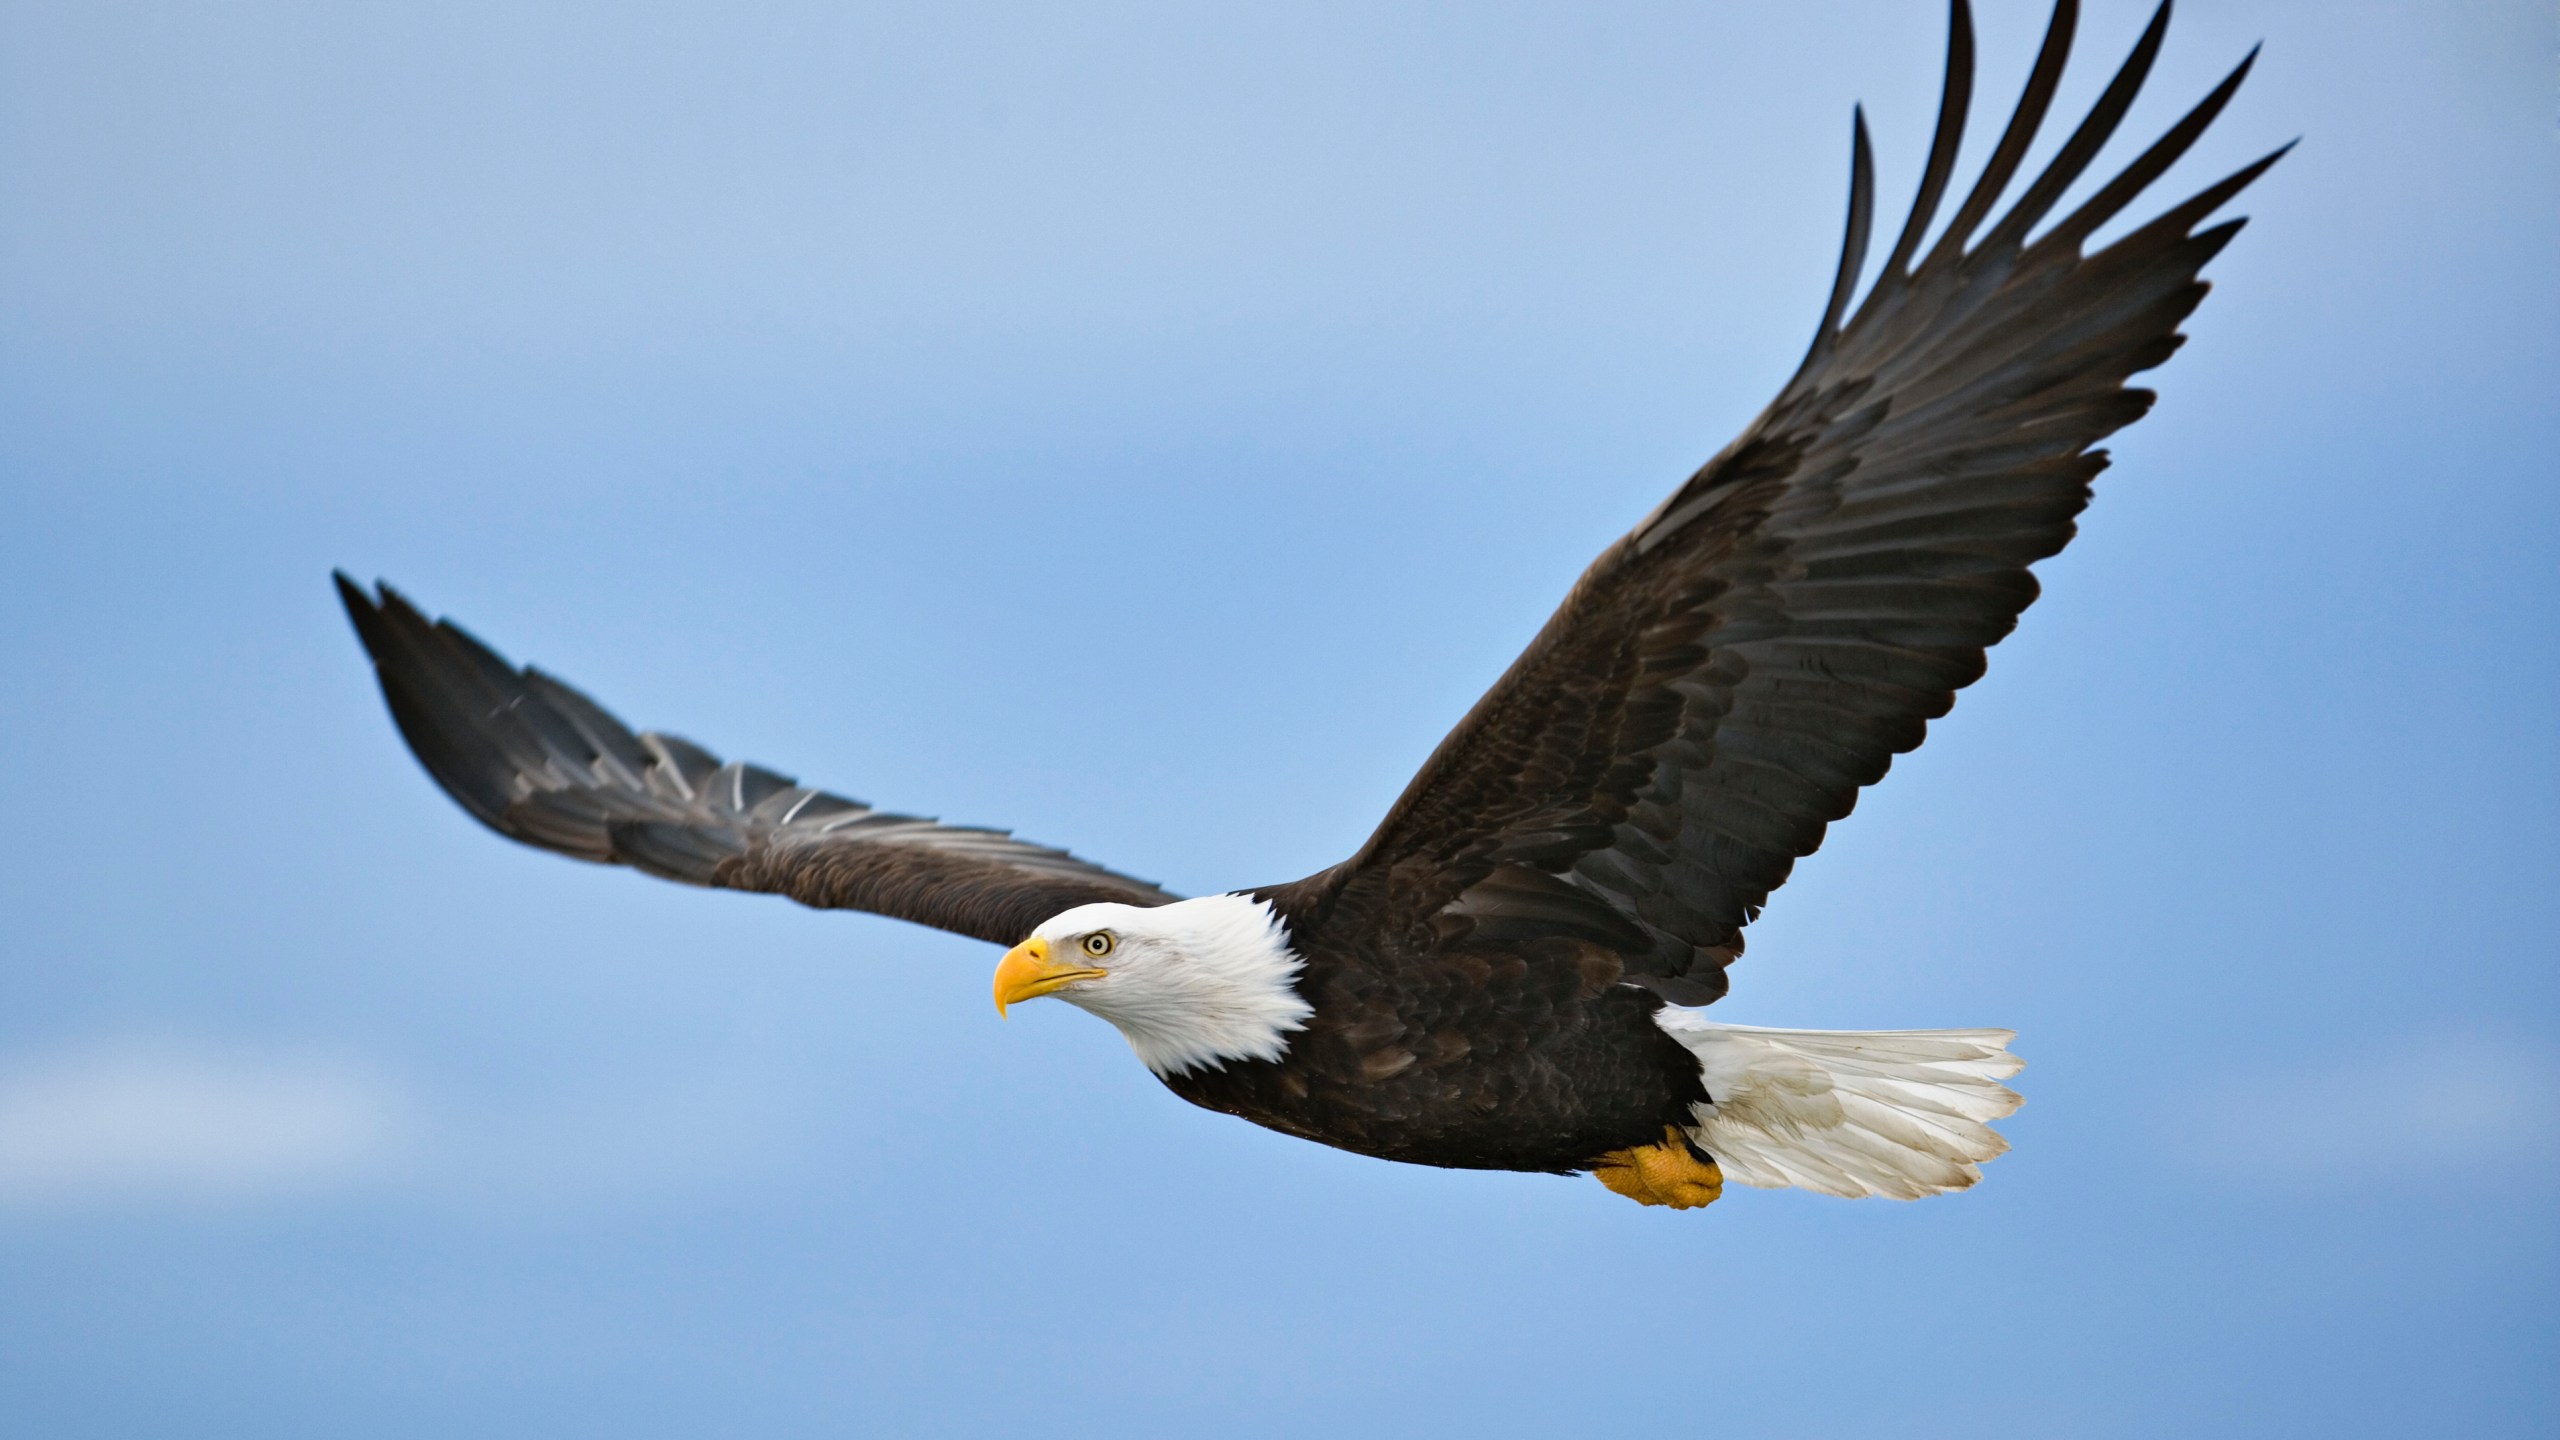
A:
[1027,973]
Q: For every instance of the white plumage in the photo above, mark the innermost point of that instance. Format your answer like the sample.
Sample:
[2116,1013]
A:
[1901,1113]
[1195,983]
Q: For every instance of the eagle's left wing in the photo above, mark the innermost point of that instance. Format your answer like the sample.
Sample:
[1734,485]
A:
[1722,682]
[539,762]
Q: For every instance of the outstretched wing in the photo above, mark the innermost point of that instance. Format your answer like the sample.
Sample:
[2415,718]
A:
[539,762]
[1723,680]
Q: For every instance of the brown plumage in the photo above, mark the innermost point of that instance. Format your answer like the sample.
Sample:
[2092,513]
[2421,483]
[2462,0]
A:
[539,762]
[1592,839]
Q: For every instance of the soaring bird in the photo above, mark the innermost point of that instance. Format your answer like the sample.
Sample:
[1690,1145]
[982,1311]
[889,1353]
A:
[1513,973]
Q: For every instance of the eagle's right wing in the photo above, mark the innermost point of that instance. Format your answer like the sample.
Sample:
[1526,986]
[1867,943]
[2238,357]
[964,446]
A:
[539,762]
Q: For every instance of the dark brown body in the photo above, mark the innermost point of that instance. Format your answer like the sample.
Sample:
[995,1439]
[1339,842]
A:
[1483,1058]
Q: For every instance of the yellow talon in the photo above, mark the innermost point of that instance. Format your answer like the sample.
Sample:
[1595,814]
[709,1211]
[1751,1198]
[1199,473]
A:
[1670,1173]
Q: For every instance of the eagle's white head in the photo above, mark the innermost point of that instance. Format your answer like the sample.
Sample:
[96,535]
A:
[1193,983]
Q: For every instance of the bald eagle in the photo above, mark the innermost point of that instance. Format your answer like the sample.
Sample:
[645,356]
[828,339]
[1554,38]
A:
[1514,970]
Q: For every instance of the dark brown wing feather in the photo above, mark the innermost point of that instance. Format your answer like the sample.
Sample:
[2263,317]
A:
[1722,682]
[539,762]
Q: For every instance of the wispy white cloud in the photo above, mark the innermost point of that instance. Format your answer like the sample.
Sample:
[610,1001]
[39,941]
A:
[131,1124]
[130,1121]
[2402,1111]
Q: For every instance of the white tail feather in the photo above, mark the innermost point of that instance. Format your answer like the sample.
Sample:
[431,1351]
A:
[1902,1113]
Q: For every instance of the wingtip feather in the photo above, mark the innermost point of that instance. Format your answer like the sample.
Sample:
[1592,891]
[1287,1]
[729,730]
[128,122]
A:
[361,613]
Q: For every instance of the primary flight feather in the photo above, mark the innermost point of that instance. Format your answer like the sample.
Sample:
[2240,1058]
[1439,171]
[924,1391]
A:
[1511,972]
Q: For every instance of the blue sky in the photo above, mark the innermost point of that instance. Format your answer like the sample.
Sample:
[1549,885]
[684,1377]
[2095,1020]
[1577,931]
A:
[1149,427]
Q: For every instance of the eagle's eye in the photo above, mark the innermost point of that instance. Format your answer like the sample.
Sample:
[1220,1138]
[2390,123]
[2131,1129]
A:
[1098,944]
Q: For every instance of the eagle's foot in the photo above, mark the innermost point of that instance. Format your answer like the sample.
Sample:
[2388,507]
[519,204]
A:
[1672,1173]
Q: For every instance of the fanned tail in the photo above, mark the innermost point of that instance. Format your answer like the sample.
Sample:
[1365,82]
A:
[1901,1113]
